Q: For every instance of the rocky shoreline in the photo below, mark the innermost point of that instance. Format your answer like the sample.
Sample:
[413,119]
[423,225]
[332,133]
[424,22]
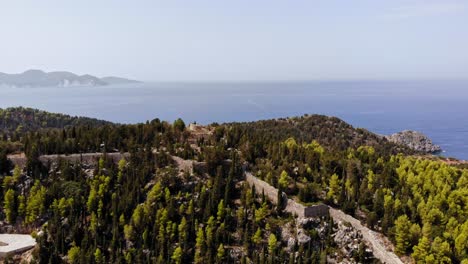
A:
[415,140]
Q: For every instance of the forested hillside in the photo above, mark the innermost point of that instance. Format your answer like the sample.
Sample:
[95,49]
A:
[422,205]
[331,132]
[148,209]
[19,120]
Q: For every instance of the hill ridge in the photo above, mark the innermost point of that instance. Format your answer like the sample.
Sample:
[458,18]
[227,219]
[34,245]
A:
[40,78]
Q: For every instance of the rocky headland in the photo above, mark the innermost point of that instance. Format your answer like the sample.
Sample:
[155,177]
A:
[414,140]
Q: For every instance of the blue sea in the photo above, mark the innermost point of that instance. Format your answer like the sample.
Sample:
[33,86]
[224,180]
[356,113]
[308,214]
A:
[439,109]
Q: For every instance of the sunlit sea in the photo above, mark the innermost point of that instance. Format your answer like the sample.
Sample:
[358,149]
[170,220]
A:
[439,109]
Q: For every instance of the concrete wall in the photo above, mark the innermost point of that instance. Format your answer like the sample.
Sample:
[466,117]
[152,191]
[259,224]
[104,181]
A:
[292,207]
[87,158]
[318,210]
[261,186]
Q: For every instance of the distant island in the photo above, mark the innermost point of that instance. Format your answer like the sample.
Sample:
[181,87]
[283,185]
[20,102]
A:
[38,78]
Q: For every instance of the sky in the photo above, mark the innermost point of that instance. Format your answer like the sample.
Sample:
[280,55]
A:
[237,40]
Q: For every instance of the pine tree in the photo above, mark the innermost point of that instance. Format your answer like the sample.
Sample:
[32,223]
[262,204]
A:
[221,211]
[182,230]
[272,244]
[283,181]
[261,213]
[9,206]
[35,204]
[402,234]
[210,231]
[74,254]
[98,257]
[200,246]
[220,254]
[335,188]
[177,255]
[257,237]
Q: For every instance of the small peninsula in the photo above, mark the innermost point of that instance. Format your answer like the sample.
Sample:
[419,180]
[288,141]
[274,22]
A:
[414,140]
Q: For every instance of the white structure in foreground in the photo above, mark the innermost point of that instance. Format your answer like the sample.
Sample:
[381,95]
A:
[13,244]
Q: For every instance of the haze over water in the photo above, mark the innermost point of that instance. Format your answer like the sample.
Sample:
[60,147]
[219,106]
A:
[436,108]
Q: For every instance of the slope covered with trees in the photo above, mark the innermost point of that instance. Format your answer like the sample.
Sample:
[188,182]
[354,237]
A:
[19,119]
[331,132]
[422,205]
[144,209]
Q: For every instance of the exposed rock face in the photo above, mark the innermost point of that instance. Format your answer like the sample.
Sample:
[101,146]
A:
[347,238]
[296,233]
[414,140]
[302,238]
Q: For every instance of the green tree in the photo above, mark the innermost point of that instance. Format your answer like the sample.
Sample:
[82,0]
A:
[290,143]
[200,246]
[177,255]
[261,213]
[402,234]
[179,125]
[220,254]
[335,188]
[370,179]
[257,237]
[272,244]
[17,173]
[36,199]
[461,245]
[421,250]
[283,181]
[21,205]
[9,206]
[441,250]
[183,229]
[461,241]
[74,254]
[221,211]
[210,231]
[98,257]
[121,166]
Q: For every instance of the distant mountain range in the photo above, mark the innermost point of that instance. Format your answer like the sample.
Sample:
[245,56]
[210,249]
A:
[38,78]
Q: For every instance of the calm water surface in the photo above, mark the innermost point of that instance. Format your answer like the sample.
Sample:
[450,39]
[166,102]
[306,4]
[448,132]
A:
[436,108]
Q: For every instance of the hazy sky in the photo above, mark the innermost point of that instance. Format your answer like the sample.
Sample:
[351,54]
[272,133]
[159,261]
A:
[237,39]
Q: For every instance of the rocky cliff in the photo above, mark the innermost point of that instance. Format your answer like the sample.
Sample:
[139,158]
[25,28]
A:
[414,140]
